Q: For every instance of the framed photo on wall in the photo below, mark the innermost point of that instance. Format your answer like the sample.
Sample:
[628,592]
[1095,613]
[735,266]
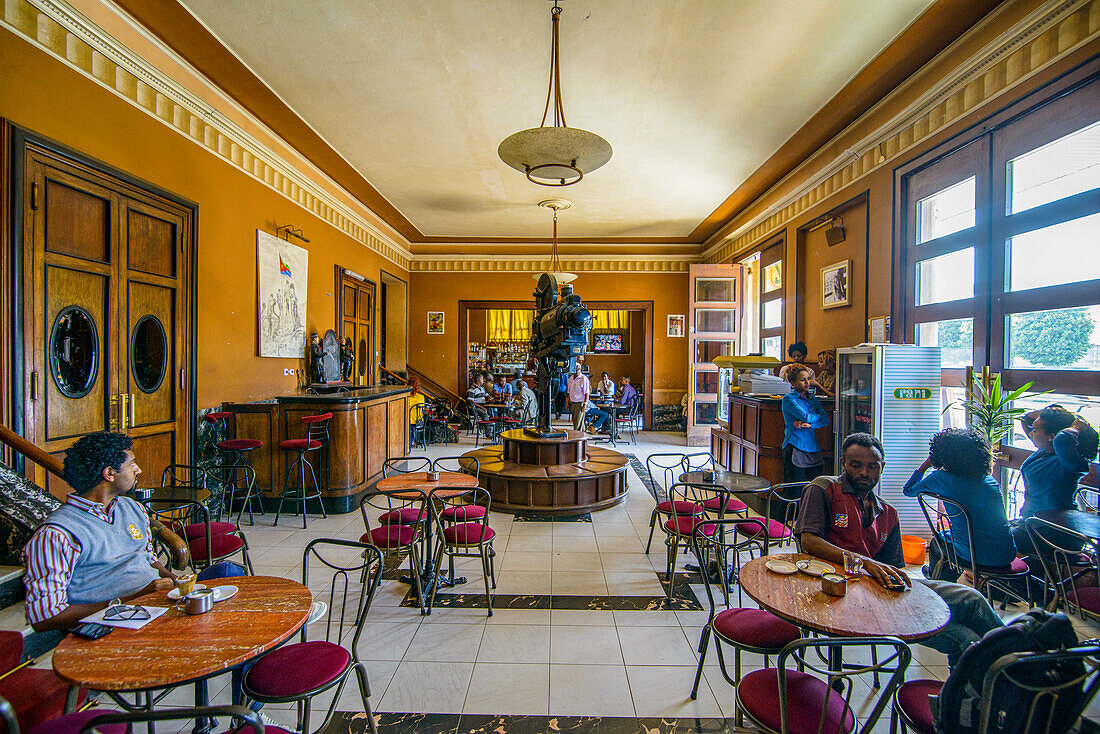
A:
[676,324]
[836,284]
[435,322]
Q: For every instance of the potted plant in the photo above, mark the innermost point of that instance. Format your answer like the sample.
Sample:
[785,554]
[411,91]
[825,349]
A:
[992,409]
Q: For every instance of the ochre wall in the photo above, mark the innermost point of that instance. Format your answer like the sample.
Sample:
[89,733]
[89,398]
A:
[438,355]
[45,97]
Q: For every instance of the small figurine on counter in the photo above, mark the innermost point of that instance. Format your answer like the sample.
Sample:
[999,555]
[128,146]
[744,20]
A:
[347,359]
[316,361]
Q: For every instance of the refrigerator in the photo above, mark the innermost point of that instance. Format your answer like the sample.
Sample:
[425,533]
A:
[891,391]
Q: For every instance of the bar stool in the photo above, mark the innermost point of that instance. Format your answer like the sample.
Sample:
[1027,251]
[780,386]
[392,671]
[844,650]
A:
[234,452]
[316,439]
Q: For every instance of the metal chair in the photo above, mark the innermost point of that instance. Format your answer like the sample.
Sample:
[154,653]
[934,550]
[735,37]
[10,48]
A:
[37,695]
[699,461]
[685,519]
[781,501]
[1066,556]
[316,438]
[418,427]
[235,452]
[395,537]
[459,539]
[664,470]
[628,420]
[1087,499]
[297,672]
[466,511]
[206,541]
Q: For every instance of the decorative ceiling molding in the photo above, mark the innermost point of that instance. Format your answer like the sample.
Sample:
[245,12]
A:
[1016,55]
[538,263]
[68,36]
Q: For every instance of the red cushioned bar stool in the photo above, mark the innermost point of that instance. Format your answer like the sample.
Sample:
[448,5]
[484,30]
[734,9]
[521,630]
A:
[316,438]
[234,453]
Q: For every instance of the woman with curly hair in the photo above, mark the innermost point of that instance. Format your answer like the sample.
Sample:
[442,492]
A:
[963,459]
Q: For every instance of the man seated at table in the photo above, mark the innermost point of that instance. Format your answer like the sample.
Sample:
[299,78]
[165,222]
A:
[517,383]
[96,547]
[598,421]
[627,394]
[528,403]
[502,389]
[605,388]
[477,397]
[843,514]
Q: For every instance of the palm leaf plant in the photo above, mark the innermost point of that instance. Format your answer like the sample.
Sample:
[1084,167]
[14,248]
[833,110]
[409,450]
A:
[992,410]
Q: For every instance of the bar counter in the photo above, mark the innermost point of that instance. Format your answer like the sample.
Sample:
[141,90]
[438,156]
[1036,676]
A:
[368,426]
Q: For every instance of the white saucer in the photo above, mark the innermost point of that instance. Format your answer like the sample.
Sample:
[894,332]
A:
[174,594]
[221,593]
[783,567]
[815,567]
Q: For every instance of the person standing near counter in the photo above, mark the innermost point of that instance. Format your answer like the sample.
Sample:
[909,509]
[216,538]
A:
[579,390]
[802,413]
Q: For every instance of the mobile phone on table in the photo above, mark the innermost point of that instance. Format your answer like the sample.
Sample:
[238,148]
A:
[92,631]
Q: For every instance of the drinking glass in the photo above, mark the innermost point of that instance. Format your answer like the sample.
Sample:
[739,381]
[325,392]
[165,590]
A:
[853,564]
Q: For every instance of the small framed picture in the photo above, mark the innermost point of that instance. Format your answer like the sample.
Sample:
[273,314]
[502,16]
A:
[835,284]
[435,322]
[676,324]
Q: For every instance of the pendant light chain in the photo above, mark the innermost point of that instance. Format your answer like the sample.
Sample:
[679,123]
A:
[554,89]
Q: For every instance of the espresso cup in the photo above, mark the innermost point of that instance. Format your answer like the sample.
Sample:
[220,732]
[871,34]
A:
[433,476]
[834,584]
[199,602]
[185,582]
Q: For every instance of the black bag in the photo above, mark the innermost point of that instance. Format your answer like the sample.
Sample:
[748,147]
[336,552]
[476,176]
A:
[960,704]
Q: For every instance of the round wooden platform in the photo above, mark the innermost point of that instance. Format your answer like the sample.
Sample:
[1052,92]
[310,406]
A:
[597,482]
[523,448]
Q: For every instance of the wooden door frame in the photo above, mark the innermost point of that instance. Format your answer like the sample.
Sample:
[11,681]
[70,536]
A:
[646,307]
[341,271]
[388,274]
[13,387]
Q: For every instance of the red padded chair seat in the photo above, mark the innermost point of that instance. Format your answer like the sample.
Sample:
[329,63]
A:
[686,526]
[295,669]
[776,529]
[463,512]
[391,536]
[469,533]
[36,695]
[299,443]
[912,698]
[220,545]
[403,516]
[316,418]
[758,695]
[755,627]
[240,444]
[1018,566]
[732,504]
[198,529]
[74,722]
[683,507]
[268,729]
[1087,597]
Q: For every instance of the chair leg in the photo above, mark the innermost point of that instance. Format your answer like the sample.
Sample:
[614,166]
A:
[414,562]
[673,549]
[652,524]
[317,487]
[364,692]
[247,559]
[485,575]
[435,587]
[704,640]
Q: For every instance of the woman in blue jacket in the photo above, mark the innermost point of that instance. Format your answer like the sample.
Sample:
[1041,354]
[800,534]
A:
[802,413]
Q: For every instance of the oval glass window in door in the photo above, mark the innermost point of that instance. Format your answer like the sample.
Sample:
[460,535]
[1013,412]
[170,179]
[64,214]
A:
[74,352]
[362,356]
[148,353]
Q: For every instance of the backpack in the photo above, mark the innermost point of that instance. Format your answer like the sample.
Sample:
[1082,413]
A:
[960,700]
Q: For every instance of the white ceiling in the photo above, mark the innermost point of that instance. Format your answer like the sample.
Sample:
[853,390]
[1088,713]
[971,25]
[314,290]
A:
[693,96]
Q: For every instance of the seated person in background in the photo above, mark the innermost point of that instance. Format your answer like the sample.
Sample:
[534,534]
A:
[97,547]
[826,372]
[528,403]
[843,515]
[415,398]
[516,383]
[605,388]
[628,394]
[559,395]
[963,459]
[802,414]
[1065,444]
[596,419]
[797,354]
[502,389]
[477,397]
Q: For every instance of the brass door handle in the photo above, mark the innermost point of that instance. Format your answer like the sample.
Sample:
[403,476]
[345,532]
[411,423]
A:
[116,413]
[123,410]
[133,409]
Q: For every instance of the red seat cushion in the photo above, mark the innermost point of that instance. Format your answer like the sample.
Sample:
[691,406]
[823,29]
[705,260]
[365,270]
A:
[776,529]
[468,533]
[403,516]
[74,722]
[240,444]
[1087,597]
[316,418]
[215,417]
[391,536]
[299,443]
[36,695]
[220,546]
[682,507]
[1019,565]
[732,504]
[758,695]
[463,512]
[295,669]
[755,627]
[686,525]
[912,698]
[198,529]
[268,729]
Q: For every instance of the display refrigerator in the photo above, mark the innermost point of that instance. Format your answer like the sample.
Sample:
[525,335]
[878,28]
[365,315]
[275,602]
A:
[891,391]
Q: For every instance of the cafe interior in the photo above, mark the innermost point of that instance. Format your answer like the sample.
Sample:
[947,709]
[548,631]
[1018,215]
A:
[353,302]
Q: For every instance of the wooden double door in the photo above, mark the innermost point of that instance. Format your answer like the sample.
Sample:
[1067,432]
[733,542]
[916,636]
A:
[106,313]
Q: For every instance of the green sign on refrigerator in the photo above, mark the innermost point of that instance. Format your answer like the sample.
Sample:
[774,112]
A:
[912,393]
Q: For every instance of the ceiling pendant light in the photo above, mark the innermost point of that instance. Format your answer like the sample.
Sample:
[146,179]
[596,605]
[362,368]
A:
[555,267]
[556,155]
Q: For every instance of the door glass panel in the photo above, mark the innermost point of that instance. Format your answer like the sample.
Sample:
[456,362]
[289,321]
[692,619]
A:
[706,414]
[955,338]
[1061,168]
[773,277]
[148,353]
[362,356]
[74,352]
[715,320]
[715,289]
[1062,339]
[948,277]
[1064,253]
[946,211]
[706,351]
[772,314]
[706,383]
[772,346]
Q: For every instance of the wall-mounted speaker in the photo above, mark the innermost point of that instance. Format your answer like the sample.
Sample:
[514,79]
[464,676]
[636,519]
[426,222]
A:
[834,235]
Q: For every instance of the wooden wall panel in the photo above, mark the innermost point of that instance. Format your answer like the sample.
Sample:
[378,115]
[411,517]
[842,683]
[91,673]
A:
[376,437]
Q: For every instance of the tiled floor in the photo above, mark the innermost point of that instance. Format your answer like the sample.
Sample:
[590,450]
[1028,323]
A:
[535,661]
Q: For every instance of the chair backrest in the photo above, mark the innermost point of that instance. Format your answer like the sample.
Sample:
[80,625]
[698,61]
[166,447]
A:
[317,427]
[458,464]
[1088,499]
[1060,551]
[245,717]
[937,509]
[405,465]
[468,496]
[811,655]
[177,513]
[731,536]
[683,492]
[356,570]
[185,476]
[783,501]
[418,415]
[664,470]
[699,460]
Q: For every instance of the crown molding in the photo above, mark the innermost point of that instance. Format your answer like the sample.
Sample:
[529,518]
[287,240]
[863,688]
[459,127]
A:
[1029,46]
[68,36]
[538,264]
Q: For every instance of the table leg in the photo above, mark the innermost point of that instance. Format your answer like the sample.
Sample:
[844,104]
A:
[203,725]
[71,698]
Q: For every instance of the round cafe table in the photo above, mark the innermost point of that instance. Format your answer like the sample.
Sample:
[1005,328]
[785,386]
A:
[735,482]
[1085,523]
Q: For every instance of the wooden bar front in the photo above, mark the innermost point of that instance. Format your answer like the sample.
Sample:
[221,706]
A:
[369,425]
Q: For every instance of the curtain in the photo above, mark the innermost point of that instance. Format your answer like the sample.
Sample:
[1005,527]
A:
[610,319]
[498,324]
[521,326]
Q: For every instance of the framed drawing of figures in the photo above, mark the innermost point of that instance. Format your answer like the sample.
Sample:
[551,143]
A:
[676,324]
[835,284]
[282,269]
[435,322]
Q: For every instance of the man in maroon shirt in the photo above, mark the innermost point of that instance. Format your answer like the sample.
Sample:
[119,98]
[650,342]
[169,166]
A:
[839,515]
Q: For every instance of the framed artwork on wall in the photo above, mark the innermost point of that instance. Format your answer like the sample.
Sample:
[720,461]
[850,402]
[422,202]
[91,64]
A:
[435,322]
[676,324]
[836,284]
[282,269]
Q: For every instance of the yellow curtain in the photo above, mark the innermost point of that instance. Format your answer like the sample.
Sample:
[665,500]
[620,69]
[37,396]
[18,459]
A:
[521,326]
[610,319]
[498,324]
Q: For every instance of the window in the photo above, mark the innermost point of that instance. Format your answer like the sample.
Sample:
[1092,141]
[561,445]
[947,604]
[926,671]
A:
[947,211]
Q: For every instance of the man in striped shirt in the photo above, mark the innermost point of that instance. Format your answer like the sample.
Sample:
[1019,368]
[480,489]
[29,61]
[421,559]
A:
[97,546]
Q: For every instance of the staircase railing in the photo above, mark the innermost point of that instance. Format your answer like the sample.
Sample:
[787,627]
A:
[429,385]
